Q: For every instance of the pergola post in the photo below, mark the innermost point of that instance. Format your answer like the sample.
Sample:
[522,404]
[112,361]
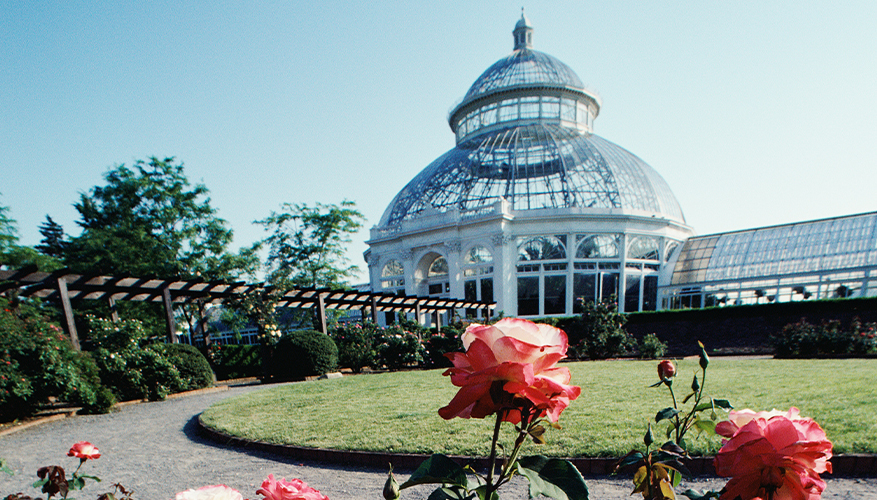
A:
[114,313]
[202,324]
[417,316]
[321,314]
[438,321]
[169,316]
[69,324]
[374,309]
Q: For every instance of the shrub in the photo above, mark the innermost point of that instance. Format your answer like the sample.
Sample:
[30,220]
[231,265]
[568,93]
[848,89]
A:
[37,361]
[129,365]
[303,353]
[651,347]
[195,371]
[235,361]
[599,332]
[356,345]
[397,348]
[804,340]
[438,345]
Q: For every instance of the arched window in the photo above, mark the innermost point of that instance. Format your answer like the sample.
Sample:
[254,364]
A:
[393,275]
[643,247]
[597,246]
[439,267]
[542,248]
[477,255]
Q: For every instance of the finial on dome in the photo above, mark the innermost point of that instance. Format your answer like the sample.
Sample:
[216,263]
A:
[523,33]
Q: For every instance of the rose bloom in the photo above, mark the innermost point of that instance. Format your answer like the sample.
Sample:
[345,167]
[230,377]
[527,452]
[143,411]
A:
[84,450]
[777,455]
[282,489]
[512,359]
[215,492]
[666,369]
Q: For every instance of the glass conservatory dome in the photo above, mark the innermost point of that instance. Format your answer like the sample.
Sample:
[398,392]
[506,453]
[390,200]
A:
[525,134]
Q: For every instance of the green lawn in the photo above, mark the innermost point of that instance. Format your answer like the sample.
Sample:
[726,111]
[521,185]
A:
[397,412]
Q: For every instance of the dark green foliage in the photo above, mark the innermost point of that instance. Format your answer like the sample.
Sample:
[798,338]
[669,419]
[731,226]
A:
[129,364]
[804,340]
[599,332]
[195,371]
[37,361]
[651,347]
[235,361]
[397,348]
[356,345]
[440,344]
[302,354]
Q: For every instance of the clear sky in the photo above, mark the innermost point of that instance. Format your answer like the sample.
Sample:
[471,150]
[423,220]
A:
[756,113]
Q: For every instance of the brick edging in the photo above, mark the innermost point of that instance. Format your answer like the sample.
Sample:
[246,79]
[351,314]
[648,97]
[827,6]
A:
[843,465]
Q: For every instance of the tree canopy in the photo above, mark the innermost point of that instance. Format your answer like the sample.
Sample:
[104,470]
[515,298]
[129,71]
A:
[307,244]
[149,221]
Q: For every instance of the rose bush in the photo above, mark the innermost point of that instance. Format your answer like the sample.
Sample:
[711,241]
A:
[511,359]
[772,455]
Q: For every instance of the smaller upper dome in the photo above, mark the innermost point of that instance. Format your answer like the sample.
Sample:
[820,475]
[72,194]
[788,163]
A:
[524,67]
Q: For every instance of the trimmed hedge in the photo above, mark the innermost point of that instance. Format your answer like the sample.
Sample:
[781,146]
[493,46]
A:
[302,354]
[195,371]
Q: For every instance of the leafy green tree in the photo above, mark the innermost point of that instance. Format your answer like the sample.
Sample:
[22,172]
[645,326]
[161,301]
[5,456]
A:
[307,244]
[149,221]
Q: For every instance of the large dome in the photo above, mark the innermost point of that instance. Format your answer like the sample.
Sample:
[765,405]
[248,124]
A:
[525,134]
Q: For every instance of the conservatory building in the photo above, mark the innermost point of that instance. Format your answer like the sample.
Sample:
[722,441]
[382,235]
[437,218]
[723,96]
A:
[534,211]
[531,209]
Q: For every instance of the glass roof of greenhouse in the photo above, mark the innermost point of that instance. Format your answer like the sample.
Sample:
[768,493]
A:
[535,166]
[801,248]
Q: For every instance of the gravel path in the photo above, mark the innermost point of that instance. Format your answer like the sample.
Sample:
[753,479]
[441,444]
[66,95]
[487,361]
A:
[153,448]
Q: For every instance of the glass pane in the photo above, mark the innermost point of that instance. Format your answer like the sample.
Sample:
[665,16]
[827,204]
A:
[392,268]
[528,296]
[470,290]
[478,255]
[439,267]
[609,288]
[643,247]
[600,246]
[584,288]
[487,290]
[555,295]
[631,293]
[650,293]
[542,248]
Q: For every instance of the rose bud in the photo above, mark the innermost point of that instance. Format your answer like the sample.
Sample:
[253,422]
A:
[666,369]
[391,487]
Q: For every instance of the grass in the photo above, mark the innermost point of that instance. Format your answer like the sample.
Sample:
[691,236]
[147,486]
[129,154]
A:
[397,412]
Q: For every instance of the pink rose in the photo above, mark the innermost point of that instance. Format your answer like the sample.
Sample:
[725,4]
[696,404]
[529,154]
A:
[773,454]
[296,489]
[84,450]
[511,359]
[215,492]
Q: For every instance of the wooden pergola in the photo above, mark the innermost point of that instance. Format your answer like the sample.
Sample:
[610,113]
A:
[64,287]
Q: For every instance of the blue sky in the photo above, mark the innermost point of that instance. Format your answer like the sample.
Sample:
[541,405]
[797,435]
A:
[756,113]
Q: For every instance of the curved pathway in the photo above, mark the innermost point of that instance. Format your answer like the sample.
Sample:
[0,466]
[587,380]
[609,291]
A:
[154,449]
